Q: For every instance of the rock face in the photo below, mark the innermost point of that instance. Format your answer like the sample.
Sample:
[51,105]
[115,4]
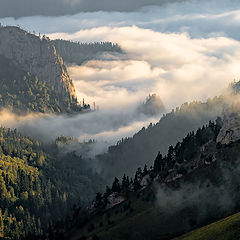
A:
[38,56]
[146,180]
[114,199]
[230,131]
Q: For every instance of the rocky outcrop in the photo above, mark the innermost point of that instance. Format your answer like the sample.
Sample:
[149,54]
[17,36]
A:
[114,199]
[230,131]
[38,56]
[146,180]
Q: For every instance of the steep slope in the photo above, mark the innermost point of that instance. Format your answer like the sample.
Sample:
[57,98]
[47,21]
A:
[39,185]
[196,183]
[230,131]
[24,55]
[22,92]
[130,153]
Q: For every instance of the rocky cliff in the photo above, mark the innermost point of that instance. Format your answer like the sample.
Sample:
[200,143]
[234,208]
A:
[230,131]
[38,56]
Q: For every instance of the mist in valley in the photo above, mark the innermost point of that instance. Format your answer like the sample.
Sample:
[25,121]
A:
[122,128]
[166,52]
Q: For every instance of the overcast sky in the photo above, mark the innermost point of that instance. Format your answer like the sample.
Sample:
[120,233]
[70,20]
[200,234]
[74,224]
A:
[199,18]
[20,8]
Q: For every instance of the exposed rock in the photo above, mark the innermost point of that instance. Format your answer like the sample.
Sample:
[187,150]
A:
[114,199]
[203,148]
[230,131]
[146,180]
[38,56]
[173,178]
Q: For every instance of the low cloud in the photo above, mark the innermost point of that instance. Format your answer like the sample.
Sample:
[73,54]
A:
[175,66]
[182,52]
[106,127]
[207,199]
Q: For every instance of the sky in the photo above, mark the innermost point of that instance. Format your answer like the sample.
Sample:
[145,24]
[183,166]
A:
[180,50]
[16,8]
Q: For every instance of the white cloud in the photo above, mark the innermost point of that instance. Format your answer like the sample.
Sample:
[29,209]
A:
[199,18]
[182,52]
[175,66]
[106,126]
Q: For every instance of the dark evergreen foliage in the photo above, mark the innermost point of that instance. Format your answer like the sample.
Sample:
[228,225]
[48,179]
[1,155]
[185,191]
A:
[184,151]
[139,197]
[188,148]
[22,92]
[130,153]
[78,53]
[38,185]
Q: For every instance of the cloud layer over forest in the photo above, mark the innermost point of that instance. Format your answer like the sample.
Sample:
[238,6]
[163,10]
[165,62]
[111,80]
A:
[182,52]
[175,66]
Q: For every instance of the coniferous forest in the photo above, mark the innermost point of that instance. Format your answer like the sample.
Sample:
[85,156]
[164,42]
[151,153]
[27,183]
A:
[83,156]
[22,92]
[78,53]
[36,185]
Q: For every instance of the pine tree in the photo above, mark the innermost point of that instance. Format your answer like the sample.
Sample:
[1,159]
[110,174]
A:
[158,163]
[116,186]
[98,203]
[145,171]
[136,182]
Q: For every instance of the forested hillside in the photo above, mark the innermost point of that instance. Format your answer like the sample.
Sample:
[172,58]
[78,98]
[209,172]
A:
[23,92]
[194,184]
[39,186]
[78,53]
[130,153]
[33,77]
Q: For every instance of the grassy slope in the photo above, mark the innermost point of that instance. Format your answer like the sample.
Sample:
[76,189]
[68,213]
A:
[225,229]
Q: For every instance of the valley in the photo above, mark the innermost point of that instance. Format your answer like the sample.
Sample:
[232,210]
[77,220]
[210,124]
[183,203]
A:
[119,122]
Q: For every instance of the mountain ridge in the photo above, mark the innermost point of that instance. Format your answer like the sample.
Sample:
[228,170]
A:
[79,53]
[189,187]
[36,55]
[35,59]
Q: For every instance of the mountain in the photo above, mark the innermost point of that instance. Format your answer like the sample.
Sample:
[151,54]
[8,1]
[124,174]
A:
[39,185]
[194,184]
[78,53]
[130,153]
[33,77]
